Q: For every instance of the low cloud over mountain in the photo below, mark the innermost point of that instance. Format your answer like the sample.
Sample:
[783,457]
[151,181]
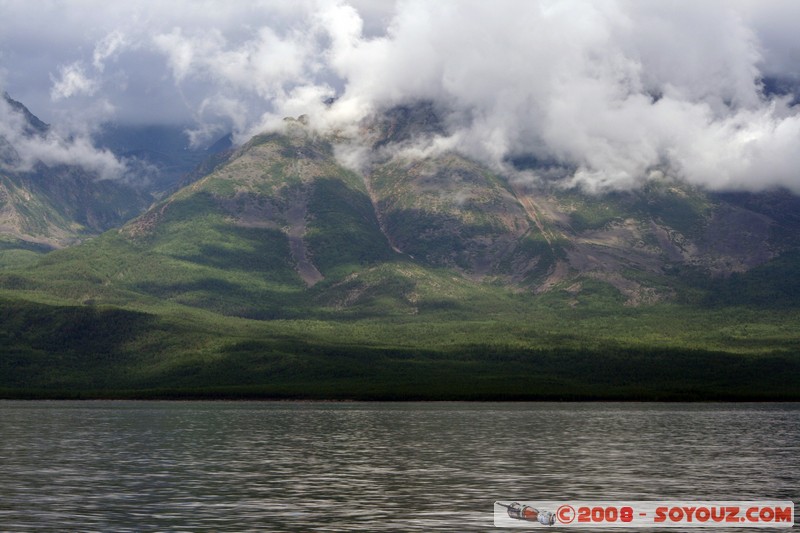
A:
[26,141]
[609,92]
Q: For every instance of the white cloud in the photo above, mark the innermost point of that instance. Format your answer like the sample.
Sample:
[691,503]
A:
[108,47]
[182,52]
[613,89]
[51,148]
[72,81]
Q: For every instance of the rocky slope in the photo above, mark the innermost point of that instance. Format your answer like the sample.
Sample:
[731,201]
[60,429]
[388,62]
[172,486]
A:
[52,206]
[280,226]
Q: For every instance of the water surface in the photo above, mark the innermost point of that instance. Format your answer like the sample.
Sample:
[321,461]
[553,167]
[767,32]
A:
[305,466]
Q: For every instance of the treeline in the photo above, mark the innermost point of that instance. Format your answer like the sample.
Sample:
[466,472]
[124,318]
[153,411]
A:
[85,352]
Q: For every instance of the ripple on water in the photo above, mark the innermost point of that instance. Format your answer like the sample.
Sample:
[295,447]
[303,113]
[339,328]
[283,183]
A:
[300,466]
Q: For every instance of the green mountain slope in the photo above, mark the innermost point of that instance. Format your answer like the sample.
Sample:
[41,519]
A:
[451,212]
[251,239]
[281,273]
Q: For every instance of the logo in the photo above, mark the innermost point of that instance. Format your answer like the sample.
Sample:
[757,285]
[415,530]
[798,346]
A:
[645,514]
[527,513]
[565,514]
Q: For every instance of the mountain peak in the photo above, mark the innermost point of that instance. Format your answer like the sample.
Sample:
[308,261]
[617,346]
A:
[284,212]
[58,203]
[33,125]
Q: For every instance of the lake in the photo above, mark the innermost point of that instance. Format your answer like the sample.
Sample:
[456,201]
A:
[313,466]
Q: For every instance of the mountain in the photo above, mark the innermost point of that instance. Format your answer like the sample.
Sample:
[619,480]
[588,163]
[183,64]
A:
[52,206]
[448,211]
[32,125]
[162,153]
[277,271]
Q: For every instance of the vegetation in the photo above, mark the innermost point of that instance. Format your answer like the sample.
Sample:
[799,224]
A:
[202,296]
[455,341]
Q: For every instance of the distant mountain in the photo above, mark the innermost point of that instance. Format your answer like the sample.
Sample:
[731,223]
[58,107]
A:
[59,205]
[280,216]
[161,152]
[32,124]
[55,206]
[448,211]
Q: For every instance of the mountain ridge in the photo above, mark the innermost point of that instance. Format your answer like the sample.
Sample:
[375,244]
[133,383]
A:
[280,272]
[57,205]
[446,211]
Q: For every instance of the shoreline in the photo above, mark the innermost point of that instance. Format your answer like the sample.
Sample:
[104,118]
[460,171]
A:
[176,395]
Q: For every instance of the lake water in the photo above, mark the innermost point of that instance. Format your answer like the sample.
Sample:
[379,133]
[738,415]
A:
[303,466]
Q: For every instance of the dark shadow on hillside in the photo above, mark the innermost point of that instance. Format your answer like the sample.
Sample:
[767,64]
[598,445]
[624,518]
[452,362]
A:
[53,346]
[343,228]
[256,250]
[773,285]
[444,240]
[229,298]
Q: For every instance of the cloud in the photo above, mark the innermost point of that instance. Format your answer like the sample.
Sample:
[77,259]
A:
[24,148]
[614,90]
[72,81]
[108,48]
[611,91]
[52,151]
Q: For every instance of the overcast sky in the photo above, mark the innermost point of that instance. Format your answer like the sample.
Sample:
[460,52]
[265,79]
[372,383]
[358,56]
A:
[615,90]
